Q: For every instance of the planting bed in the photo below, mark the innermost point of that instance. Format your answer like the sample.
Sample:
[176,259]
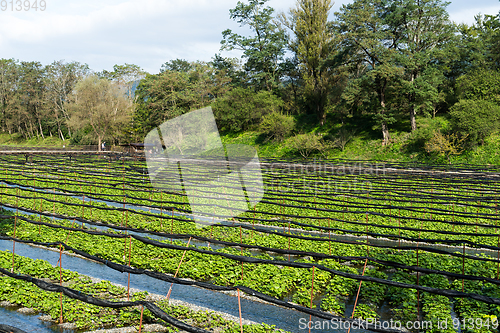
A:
[391,242]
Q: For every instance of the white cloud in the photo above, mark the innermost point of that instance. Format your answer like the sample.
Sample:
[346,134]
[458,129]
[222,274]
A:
[467,15]
[145,32]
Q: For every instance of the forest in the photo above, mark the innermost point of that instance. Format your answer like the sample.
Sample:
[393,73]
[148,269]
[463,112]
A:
[397,71]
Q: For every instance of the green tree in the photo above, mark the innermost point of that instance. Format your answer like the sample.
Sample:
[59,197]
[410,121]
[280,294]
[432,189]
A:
[476,119]
[61,79]
[312,44]
[421,29]
[479,84]
[369,47]
[101,106]
[265,50]
[241,108]
[174,92]
[277,126]
[8,78]
[127,76]
[31,111]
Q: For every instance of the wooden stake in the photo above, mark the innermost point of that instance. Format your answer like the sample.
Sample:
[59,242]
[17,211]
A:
[463,265]
[357,295]
[178,267]
[239,308]
[241,248]
[60,283]
[140,322]
[312,294]
[329,239]
[129,257]
[14,240]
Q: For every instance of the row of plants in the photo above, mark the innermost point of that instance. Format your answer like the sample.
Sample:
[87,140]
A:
[344,206]
[88,316]
[270,279]
[309,200]
[333,299]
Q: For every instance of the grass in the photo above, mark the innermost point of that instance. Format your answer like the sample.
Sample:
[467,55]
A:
[18,140]
[366,143]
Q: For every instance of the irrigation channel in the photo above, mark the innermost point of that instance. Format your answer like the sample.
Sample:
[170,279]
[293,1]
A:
[329,241]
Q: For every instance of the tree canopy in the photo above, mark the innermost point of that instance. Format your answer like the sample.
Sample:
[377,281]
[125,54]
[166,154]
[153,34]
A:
[377,67]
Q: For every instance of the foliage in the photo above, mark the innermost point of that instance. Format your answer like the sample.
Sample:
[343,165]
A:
[342,138]
[99,105]
[241,108]
[480,84]
[445,144]
[314,42]
[265,50]
[179,88]
[365,37]
[277,126]
[475,118]
[421,30]
[61,79]
[307,144]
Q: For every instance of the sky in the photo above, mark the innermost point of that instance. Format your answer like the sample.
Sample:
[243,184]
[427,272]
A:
[147,33]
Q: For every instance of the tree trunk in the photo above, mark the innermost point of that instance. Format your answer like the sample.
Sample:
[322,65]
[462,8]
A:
[99,144]
[413,121]
[41,131]
[386,137]
[60,132]
[385,134]
[411,101]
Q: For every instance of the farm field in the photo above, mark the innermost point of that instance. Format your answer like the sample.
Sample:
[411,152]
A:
[340,241]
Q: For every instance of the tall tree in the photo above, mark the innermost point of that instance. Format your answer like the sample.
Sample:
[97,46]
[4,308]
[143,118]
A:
[265,50]
[312,44]
[126,76]
[101,106]
[174,92]
[8,78]
[31,96]
[370,47]
[61,78]
[421,29]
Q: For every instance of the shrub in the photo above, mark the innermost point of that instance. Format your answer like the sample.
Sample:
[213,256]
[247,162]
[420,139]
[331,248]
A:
[342,138]
[277,126]
[307,144]
[480,84]
[446,145]
[476,119]
[241,108]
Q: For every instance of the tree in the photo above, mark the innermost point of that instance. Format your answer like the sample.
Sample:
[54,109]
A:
[8,78]
[265,50]
[177,65]
[277,126]
[174,92]
[241,108]
[421,29]
[483,84]
[476,119]
[370,50]
[101,106]
[312,45]
[127,76]
[61,79]
[31,98]
[477,113]
[447,145]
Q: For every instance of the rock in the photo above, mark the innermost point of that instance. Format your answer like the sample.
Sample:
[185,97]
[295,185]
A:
[26,311]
